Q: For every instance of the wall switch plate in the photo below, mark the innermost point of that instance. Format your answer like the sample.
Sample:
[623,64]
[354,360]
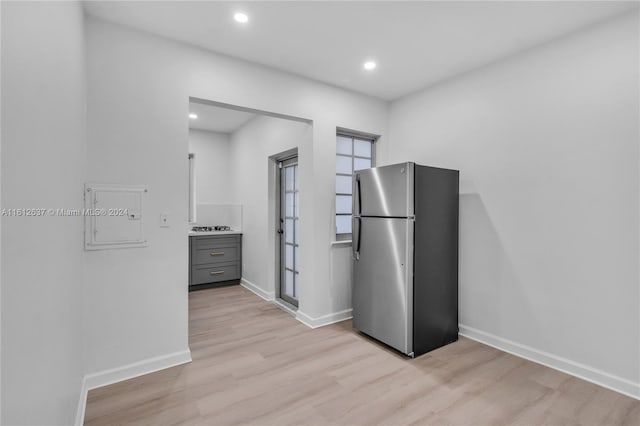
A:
[164,220]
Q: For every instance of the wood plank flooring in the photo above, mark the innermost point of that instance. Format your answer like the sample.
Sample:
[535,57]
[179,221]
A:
[255,364]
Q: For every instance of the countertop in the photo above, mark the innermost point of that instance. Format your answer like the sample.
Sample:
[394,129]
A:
[210,233]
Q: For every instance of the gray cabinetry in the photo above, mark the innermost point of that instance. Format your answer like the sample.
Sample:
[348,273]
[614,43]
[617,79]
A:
[215,259]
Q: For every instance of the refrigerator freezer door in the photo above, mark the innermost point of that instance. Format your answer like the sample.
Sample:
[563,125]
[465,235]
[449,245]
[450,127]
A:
[385,191]
[383,281]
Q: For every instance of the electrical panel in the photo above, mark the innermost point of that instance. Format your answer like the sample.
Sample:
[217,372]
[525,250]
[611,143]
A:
[114,216]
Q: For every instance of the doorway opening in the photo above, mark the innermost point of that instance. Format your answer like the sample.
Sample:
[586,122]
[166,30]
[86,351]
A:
[235,202]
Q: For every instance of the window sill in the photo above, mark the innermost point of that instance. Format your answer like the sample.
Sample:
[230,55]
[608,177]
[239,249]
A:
[342,243]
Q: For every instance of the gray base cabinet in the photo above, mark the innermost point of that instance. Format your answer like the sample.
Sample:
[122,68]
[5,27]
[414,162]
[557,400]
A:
[215,259]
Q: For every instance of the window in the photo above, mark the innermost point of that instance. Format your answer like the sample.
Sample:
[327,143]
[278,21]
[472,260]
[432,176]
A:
[192,188]
[353,153]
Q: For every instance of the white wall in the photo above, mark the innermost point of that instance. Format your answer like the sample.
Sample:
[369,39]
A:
[212,166]
[43,136]
[251,147]
[139,310]
[547,145]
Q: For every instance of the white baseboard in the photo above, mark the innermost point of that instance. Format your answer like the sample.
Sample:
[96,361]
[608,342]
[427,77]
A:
[331,318]
[266,295]
[307,320]
[582,371]
[82,403]
[285,307]
[114,375]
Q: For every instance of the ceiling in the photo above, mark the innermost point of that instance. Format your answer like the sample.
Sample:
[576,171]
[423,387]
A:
[217,119]
[416,44]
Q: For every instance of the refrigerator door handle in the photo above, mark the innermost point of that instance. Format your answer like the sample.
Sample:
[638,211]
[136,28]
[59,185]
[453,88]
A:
[355,244]
[358,207]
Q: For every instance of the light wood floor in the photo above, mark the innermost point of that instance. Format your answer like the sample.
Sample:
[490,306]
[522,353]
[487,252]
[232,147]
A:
[255,364]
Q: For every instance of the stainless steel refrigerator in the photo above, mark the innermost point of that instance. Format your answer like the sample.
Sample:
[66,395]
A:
[405,256]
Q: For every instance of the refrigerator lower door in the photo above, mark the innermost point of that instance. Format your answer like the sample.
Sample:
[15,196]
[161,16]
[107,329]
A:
[383,281]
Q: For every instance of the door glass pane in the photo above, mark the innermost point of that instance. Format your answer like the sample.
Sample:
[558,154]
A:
[361,163]
[343,165]
[295,177]
[343,224]
[296,286]
[344,184]
[297,259]
[288,283]
[288,208]
[288,256]
[343,145]
[297,205]
[288,230]
[343,203]
[289,178]
[362,148]
[295,234]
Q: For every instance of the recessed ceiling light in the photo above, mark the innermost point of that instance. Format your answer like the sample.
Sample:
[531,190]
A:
[241,17]
[369,65]
[193,116]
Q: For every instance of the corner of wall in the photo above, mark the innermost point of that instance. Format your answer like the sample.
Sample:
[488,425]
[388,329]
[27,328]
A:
[257,290]
[126,372]
[328,319]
